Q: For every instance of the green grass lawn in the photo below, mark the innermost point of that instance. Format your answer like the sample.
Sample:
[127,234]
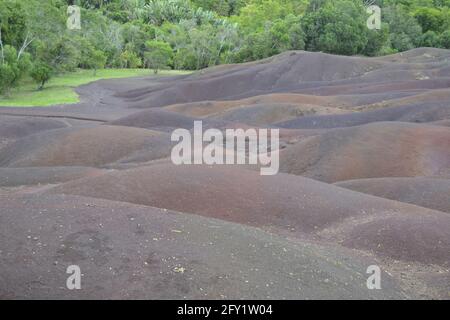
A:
[60,89]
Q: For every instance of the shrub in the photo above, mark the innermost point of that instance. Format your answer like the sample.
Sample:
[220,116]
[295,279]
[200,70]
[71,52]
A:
[159,55]
[41,73]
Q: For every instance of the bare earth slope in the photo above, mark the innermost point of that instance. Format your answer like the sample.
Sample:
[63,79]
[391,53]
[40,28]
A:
[364,161]
[426,192]
[128,251]
[382,149]
[293,204]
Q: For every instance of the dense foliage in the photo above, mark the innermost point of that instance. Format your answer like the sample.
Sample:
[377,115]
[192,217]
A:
[194,34]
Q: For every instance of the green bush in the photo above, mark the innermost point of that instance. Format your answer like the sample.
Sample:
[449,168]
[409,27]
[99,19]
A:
[336,27]
[430,39]
[445,39]
[158,55]
[129,59]
[405,31]
[430,19]
[12,68]
[376,41]
[41,73]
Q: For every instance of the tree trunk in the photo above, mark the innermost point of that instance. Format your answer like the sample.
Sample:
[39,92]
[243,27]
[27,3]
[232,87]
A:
[7,92]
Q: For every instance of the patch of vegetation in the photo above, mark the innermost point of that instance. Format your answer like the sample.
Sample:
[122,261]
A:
[60,89]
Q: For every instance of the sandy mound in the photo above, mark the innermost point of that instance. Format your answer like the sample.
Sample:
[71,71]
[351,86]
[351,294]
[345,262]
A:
[96,146]
[376,150]
[167,121]
[321,105]
[445,123]
[283,236]
[418,55]
[425,192]
[265,114]
[415,98]
[413,112]
[308,73]
[15,127]
[127,252]
[391,237]
[12,177]
[281,201]
[377,85]
[156,119]
[282,73]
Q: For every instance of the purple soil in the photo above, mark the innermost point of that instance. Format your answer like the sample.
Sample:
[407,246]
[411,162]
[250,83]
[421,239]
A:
[13,177]
[135,252]
[420,238]
[341,118]
[94,146]
[384,149]
[282,203]
[425,192]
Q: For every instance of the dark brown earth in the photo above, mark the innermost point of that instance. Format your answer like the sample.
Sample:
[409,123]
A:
[375,150]
[425,192]
[365,179]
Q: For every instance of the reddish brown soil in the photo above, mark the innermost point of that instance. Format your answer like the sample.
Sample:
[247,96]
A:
[382,149]
[379,126]
[430,193]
